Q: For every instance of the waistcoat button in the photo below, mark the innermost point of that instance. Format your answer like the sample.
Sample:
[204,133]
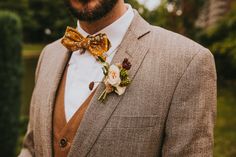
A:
[63,142]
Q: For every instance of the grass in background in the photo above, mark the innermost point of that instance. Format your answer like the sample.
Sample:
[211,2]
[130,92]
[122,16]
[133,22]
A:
[225,131]
[32,50]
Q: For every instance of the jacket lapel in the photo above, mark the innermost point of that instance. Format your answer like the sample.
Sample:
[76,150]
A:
[60,57]
[134,47]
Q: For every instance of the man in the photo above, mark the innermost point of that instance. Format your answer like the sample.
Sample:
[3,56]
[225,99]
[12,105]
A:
[168,109]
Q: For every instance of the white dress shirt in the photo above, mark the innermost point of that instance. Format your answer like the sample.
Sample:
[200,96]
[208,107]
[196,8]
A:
[83,68]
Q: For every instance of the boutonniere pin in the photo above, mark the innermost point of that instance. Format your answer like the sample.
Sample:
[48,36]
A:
[116,78]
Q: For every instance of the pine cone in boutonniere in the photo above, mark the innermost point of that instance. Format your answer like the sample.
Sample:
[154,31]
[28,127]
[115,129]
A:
[116,78]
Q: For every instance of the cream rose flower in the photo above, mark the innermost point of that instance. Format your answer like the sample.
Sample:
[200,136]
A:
[113,77]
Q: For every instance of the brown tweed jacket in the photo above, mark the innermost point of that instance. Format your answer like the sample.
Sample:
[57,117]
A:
[168,110]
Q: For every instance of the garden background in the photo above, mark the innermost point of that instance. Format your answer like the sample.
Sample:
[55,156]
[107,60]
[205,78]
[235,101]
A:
[26,26]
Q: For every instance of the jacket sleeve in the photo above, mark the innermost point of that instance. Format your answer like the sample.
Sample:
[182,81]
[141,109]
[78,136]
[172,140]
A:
[192,112]
[28,142]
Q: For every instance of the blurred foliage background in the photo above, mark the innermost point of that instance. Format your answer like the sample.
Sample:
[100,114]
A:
[211,23]
[10,78]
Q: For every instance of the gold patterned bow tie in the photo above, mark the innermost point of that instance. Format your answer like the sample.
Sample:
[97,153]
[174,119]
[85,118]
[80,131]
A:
[97,45]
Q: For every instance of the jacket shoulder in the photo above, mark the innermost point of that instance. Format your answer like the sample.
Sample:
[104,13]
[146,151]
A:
[52,49]
[53,45]
[175,43]
[175,51]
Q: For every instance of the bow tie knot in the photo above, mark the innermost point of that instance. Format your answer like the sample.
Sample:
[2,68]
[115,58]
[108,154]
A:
[97,45]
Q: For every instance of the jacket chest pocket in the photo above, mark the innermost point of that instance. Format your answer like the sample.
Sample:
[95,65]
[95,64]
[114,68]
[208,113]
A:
[130,128]
[132,121]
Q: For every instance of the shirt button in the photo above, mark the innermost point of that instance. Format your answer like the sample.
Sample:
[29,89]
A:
[63,142]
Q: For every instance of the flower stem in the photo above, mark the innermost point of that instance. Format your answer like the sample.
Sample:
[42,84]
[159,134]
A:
[101,97]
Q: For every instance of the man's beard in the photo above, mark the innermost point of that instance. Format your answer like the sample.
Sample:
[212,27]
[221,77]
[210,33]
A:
[100,10]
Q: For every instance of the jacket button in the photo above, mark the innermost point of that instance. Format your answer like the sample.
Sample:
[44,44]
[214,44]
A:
[63,142]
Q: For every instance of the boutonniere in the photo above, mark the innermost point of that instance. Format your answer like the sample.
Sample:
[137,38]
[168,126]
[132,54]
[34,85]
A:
[116,78]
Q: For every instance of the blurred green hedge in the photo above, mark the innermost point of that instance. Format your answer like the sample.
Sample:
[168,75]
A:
[10,80]
[43,20]
[221,40]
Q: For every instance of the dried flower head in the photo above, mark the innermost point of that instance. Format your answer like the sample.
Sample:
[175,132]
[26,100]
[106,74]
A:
[126,64]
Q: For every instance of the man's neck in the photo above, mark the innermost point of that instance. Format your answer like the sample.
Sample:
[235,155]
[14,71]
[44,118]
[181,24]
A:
[94,27]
